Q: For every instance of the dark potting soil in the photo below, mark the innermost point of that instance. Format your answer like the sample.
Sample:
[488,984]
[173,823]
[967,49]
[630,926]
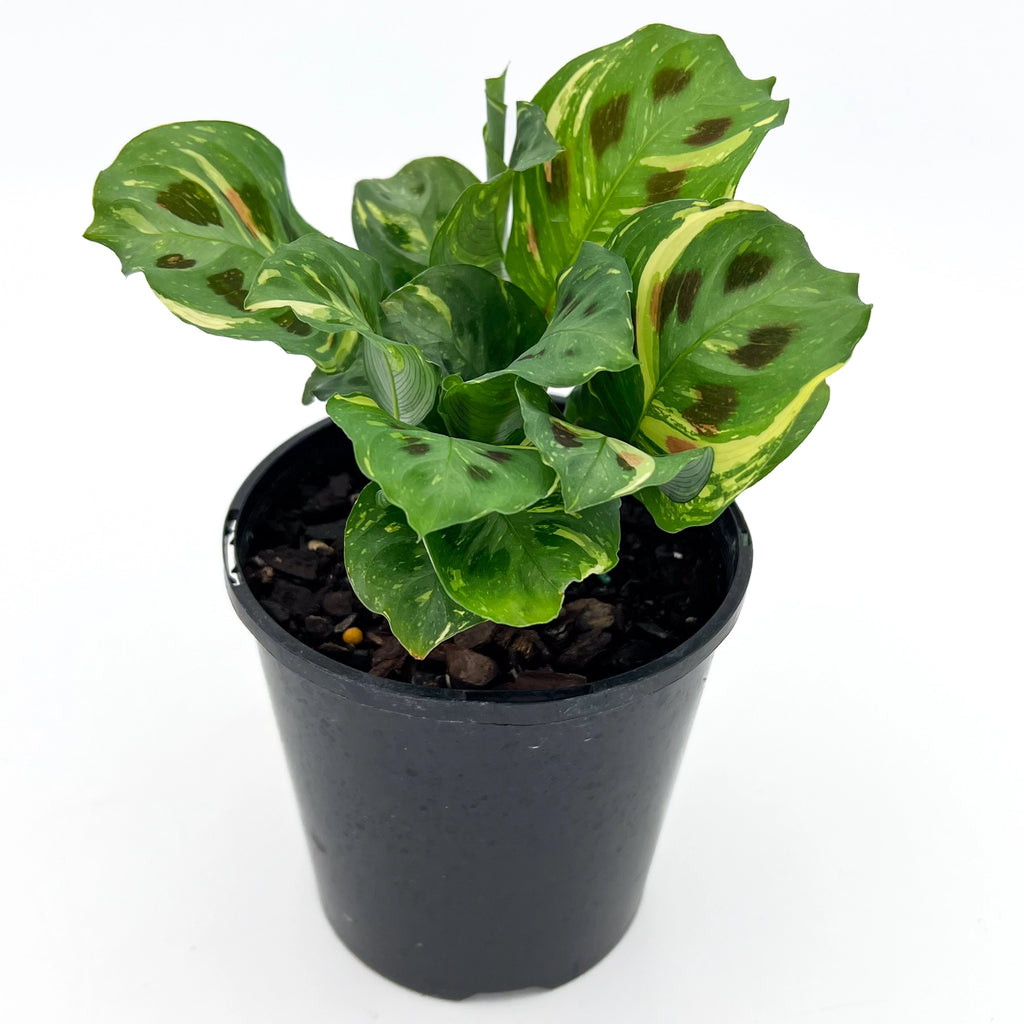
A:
[664,588]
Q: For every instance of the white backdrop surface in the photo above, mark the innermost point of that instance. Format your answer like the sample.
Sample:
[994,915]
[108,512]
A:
[846,837]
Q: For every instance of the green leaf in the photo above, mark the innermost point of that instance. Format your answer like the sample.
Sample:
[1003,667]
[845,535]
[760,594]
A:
[346,374]
[494,129]
[593,468]
[737,328]
[474,230]
[439,480]
[515,568]
[482,410]
[391,573]
[533,143]
[197,207]
[592,328]
[396,219]
[609,402]
[337,288]
[329,285]
[661,114]
[463,319]
[401,380]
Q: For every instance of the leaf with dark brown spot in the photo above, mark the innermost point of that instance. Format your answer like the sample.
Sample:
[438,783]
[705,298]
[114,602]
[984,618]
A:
[188,200]
[621,112]
[594,468]
[746,269]
[764,344]
[678,295]
[706,132]
[664,185]
[230,285]
[292,324]
[669,82]
[174,261]
[608,123]
[556,179]
[438,480]
[498,457]
[204,198]
[564,436]
[715,404]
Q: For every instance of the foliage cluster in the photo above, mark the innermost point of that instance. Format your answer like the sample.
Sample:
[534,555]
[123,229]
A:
[606,256]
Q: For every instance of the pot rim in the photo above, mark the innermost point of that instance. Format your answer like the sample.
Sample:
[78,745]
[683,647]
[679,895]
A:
[504,706]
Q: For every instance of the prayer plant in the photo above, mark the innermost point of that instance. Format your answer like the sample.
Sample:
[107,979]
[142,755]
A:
[606,256]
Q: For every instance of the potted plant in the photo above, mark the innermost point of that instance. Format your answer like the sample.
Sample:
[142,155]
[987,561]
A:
[482,764]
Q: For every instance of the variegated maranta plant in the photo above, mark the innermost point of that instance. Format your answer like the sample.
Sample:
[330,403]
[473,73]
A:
[605,255]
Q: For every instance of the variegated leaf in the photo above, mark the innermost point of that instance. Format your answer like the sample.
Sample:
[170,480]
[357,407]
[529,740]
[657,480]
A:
[346,375]
[482,410]
[337,288]
[494,129]
[533,144]
[593,468]
[661,114]
[197,207]
[438,480]
[328,284]
[515,568]
[609,402]
[474,230]
[592,328]
[396,219]
[463,319]
[737,328]
[391,573]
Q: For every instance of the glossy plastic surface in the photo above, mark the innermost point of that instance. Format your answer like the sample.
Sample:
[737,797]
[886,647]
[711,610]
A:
[477,842]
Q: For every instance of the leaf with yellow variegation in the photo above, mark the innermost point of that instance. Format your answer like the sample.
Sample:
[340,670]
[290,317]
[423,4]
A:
[737,327]
[197,207]
[391,573]
[395,219]
[659,115]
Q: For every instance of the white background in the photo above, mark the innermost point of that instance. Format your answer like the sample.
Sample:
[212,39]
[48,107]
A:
[845,843]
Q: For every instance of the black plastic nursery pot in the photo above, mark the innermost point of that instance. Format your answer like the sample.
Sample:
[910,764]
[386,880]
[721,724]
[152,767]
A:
[475,841]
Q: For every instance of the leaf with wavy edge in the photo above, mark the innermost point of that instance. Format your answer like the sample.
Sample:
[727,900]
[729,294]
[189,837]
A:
[608,402]
[660,114]
[337,288]
[593,468]
[474,231]
[737,328]
[515,568]
[396,219]
[197,207]
[391,573]
[438,480]
[345,373]
[463,319]
[591,330]
[484,410]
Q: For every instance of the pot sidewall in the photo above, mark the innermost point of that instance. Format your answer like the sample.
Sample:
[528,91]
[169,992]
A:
[470,842]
